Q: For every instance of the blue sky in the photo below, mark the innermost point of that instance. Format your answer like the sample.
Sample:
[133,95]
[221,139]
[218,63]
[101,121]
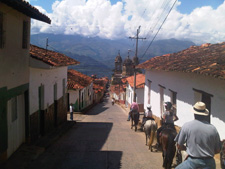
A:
[201,21]
[186,6]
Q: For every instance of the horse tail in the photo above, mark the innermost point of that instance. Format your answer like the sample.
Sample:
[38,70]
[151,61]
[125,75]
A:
[152,134]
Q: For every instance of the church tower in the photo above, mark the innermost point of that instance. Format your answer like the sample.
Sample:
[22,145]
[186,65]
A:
[128,67]
[118,64]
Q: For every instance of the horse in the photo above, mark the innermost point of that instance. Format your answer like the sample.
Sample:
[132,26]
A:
[150,128]
[168,146]
[134,118]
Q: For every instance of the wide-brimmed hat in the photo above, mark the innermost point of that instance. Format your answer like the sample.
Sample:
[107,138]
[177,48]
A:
[149,106]
[200,109]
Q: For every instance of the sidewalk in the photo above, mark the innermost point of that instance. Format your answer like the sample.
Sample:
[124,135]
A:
[29,152]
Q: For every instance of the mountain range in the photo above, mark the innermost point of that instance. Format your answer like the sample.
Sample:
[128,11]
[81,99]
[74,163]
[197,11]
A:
[97,55]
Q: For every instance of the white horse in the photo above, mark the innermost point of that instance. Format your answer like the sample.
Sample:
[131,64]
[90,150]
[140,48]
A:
[150,128]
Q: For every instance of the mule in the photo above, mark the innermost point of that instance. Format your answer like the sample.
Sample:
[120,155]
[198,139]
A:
[134,118]
[150,128]
[168,146]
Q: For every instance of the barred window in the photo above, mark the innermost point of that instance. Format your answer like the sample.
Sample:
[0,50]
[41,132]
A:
[25,34]
[1,31]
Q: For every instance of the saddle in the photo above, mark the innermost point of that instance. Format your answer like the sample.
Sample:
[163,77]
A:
[167,126]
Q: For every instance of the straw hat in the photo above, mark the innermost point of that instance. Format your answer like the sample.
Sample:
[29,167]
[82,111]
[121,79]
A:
[200,109]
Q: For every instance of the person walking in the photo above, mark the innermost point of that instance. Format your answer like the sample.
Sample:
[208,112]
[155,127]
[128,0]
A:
[202,140]
[71,112]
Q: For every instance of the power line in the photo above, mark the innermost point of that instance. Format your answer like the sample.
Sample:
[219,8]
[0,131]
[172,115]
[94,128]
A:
[163,6]
[159,29]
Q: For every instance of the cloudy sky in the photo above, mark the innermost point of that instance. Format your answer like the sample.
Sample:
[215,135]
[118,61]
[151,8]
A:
[201,21]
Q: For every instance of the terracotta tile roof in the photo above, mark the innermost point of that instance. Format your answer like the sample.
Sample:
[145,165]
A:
[97,88]
[118,88]
[27,9]
[207,59]
[50,57]
[140,81]
[77,80]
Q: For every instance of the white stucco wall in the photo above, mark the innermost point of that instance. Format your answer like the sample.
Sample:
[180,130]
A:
[87,96]
[74,96]
[14,61]
[183,84]
[139,94]
[48,78]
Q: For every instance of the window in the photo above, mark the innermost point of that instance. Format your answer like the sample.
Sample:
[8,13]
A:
[14,109]
[1,30]
[149,91]
[25,34]
[64,90]
[55,91]
[205,98]
[161,90]
[173,100]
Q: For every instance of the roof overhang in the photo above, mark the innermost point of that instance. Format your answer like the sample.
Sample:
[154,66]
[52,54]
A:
[27,9]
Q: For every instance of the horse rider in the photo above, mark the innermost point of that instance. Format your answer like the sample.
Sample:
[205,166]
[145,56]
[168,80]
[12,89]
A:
[168,119]
[147,116]
[202,140]
[133,108]
[113,101]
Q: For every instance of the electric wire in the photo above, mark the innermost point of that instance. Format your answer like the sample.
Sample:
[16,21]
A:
[163,7]
[158,30]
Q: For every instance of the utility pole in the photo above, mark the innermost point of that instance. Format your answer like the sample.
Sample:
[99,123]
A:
[136,55]
[46,48]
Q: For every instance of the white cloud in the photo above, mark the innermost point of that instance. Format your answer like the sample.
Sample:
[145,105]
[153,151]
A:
[101,18]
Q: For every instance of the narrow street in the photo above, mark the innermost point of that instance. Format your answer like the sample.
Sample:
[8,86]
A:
[101,139]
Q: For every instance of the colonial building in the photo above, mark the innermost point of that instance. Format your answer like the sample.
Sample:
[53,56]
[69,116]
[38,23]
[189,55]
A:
[80,89]
[15,18]
[100,85]
[47,90]
[123,69]
[191,75]
[140,83]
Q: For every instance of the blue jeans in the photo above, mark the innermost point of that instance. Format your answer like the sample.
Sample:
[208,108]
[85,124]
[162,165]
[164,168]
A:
[71,115]
[192,163]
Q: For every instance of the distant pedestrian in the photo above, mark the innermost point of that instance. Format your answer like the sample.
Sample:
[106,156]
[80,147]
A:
[71,112]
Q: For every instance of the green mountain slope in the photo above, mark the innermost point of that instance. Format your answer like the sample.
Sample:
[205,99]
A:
[97,55]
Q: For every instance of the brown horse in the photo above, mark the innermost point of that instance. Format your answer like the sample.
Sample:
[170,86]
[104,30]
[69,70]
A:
[168,146]
[134,118]
[149,128]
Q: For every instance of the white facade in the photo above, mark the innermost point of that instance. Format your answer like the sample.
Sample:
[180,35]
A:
[47,78]
[14,63]
[160,87]
[14,74]
[81,98]
[139,94]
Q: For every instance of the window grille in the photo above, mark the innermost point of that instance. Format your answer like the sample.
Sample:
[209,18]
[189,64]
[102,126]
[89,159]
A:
[25,35]
[1,31]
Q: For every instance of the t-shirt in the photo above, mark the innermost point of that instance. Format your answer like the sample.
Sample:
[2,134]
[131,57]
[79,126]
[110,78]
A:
[71,108]
[201,138]
[148,113]
[168,117]
[134,106]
